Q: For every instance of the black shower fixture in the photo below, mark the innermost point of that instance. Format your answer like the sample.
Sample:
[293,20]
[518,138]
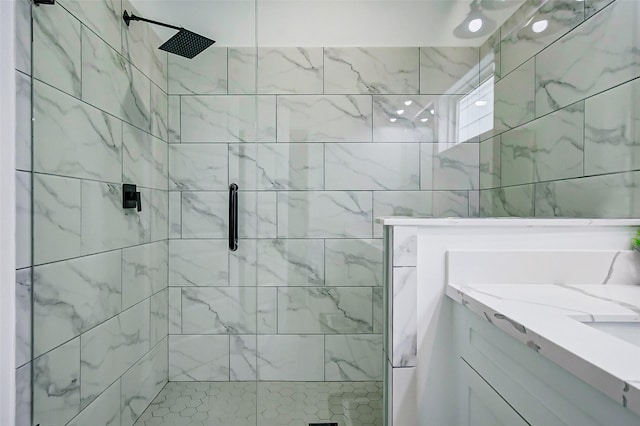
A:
[184,43]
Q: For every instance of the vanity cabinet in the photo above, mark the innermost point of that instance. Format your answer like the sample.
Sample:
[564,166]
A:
[503,382]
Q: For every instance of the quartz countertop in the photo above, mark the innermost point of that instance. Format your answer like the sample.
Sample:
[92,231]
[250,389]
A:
[502,221]
[549,319]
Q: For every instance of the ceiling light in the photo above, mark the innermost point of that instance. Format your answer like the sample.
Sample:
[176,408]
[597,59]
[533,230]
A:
[393,120]
[407,103]
[539,26]
[481,103]
[400,111]
[433,112]
[475,25]
[424,120]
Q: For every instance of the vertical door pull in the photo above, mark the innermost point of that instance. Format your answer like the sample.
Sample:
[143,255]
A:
[233,217]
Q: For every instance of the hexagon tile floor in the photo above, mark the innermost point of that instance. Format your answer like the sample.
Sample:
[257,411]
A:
[265,404]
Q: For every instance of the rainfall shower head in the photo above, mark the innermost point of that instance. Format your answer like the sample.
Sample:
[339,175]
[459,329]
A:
[184,43]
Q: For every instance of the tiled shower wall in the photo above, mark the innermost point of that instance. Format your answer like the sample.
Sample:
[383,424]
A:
[100,273]
[343,135]
[567,113]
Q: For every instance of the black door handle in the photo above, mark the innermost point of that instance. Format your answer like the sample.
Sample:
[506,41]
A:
[233,217]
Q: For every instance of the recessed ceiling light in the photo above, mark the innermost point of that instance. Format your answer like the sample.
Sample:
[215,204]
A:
[400,111]
[407,103]
[424,120]
[433,112]
[475,25]
[393,120]
[481,103]
[539,26]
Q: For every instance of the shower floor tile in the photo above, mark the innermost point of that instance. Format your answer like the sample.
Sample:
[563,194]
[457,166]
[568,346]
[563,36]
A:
[265,404]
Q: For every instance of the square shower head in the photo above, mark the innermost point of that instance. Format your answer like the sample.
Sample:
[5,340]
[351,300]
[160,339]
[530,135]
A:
[186,43]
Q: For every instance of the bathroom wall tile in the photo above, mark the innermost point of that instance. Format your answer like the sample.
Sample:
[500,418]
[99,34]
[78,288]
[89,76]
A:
[353,358]
[143,382]
[450,203]
[23,220]
[23,121]
[523,43]
[198,358]
[23,316]
[353,263]
[277,166]
[56,384]
[291,262]
[325,214]
[591,7]
[159,113]
[290,70]
[56,218]
[105,225]
[612,130]
[206,74]
[474,203]
[228,119]
[73,296]
[449,69]
[335,310]
[111,348]
[23,396]
[257,214]
[546,149]
[243,264]
[144,159]
[159,316]
[159,206]
[173,119]
[198,263]
[564,74]
[372,166]
[74,139]
[599,196]
[103,17]
[175,310]
[144,272]
[490,163]
[198,167]
[405,246]
[400,203]
[175,214]
[490,57]
[378,310]
[242,70]
[205,214]
[23,36]
[56,49]
[454,167]
[243,358]
[514,98]
[219,310]
[337,118]
[294,357]
[375,70]
[404,321]
[112,84]
[267,310]
[509,201]
[104,410]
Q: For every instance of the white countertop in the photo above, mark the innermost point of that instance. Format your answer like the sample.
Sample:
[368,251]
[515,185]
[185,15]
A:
[548,319]
[502,221]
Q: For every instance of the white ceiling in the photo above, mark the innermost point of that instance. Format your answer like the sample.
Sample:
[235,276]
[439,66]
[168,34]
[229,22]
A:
[322,22]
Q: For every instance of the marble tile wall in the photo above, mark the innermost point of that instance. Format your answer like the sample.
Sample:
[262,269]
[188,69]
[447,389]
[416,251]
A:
[565,140]
[96,287]
[330,139]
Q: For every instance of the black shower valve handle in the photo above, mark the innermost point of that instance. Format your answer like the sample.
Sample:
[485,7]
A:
[131,198]
[139,201]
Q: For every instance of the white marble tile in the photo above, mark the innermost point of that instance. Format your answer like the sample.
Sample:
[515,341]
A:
[228,119]
[243,264]
[23,120]
[23,316]
[198,167]
[291,262]
[159,206]
[243,358]
[56,384]
[198,358]
[159,326]
[453,167]
[105,224]
[351,263]
[159,113]
[242,63]
[373,70]
[599,196]
[514,98]
[198,263]
[378,310]
[175,214]
[257,214]
[509,201]
[23,396]
[112,84]
[546,149]
[56,218]
[612,130]
[292,357]
[565,74]
[73,296]
[404,347]
[74,139]
[23,36]
[143,382]
[336,310]
[379,166]
[104,17]
[267,310]
[144,160]
[144,272]
[591,7]
[450,203]
[290,70]
[219,310]
[449,69]
[405,246]
[474,203]
[400,203]
[490,163]
[175,310]
[56,49]
[23,220]
[404,388]
[205,214]
[104,410]
[111,348]
[325,214]
[206,74]
[337,118]
[173,119]
[353,357]
[395,121]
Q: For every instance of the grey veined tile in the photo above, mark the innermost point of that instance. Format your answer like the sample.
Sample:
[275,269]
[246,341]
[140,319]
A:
[449,69]
[353,262]
[509,201]
[353,357]
[514,98]
[290,262]
[103,17]
[290,70]
[219,310]
[198,167]
[206,74]
[449,166]
[292,357]
[144,160]
[198,358]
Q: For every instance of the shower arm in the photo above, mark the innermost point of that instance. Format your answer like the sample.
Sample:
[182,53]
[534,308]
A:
[128,18]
